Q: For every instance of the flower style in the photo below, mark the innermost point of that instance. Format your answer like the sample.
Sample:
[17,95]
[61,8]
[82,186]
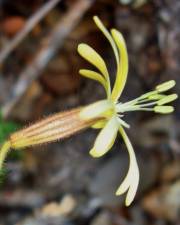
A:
[106,114]
[112,110]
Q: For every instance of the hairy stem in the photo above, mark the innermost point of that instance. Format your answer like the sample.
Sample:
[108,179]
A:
[4,151]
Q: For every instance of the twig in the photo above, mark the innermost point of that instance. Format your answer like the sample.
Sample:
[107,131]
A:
[52,43]
[31,22]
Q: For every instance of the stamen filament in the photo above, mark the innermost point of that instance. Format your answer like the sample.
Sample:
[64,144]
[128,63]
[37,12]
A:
[148,104]
[139,109]
[123,123]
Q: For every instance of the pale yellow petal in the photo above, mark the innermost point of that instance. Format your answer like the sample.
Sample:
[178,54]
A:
[124,185]
[122,70]
[94,76]
[95,109]
[131,180]
[94,58]
[99,124]
[108,36]
[133,188]
[106,138]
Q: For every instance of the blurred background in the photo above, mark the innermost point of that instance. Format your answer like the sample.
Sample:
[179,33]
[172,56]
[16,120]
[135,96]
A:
[59,183]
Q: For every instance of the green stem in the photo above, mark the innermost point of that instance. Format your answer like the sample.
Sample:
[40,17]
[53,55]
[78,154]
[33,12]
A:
[3,152]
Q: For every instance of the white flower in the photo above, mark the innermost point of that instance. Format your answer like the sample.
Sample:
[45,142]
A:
[109,112]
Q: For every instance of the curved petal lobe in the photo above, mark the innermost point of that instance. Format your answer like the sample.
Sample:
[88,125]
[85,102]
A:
[106,138]
[108,36]
[131,181]
[94,76]
[122,70]
[94,58]
[95,109]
